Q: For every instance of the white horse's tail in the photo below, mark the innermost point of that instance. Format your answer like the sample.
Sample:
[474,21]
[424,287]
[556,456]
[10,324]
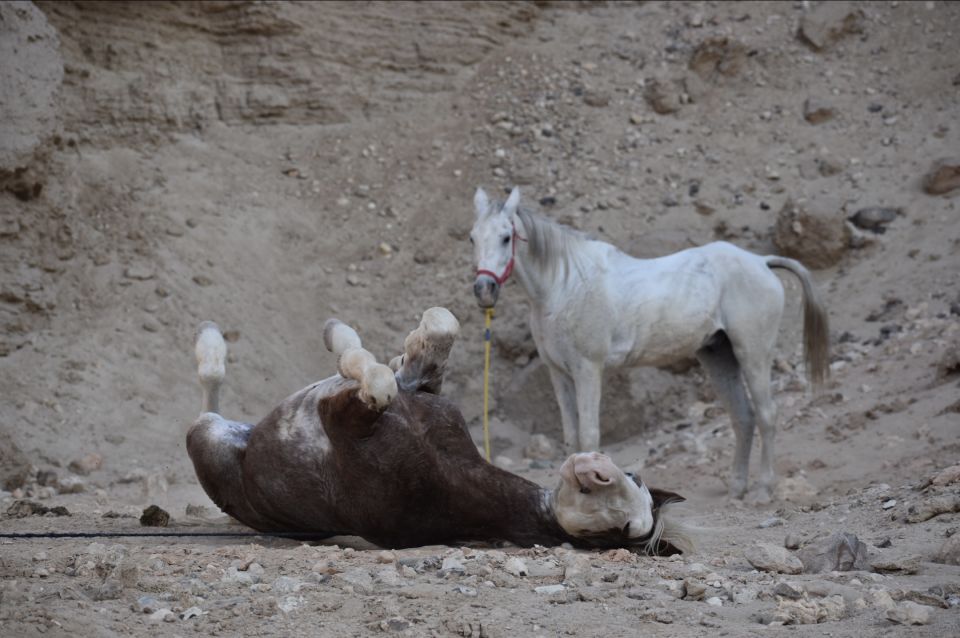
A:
[211,351]
[816,332]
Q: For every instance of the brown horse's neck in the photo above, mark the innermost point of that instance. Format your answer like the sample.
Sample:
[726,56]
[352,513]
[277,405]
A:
[498,505]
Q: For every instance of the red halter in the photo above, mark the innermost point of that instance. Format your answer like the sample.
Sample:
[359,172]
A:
[509,269]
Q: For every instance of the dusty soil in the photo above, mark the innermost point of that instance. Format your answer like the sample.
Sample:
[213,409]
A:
[267,166]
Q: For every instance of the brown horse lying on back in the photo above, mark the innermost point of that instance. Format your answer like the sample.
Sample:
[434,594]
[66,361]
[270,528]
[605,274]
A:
[376,452]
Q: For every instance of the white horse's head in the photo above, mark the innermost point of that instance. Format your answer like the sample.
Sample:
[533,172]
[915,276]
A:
[494,240]
[598,502]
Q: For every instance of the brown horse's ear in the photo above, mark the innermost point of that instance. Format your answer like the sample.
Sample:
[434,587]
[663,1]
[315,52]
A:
[663,497]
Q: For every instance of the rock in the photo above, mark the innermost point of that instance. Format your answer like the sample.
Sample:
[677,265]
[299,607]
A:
[452,564]
[662,96]
[793,591]
[896,565]
[795,489]
[909,613]
[154,516]
[792,541]
[540,447]
[718,56]
[814,232]
[828,23]
[86,464]
[162,615]
[596,98]
[772,558]
[817,111]
[470,592]
[933,506]
[809,612]
[71,485]
[946,476]
[516,566]
[949,364]
[24,508]
[875,218]
[191,612]
[145,605]
[693,590]
[139,273]
[838,552]
[251,575]
[773,521]
[949,552]
[549,589]
[286,585]
[715,601]
[943,177]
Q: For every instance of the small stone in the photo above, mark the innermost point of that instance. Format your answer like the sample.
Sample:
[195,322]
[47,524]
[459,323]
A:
[889,504]
[452,564]
[946,476]
[516,566]
[202,280]
[933,506]
[549,589]
[949,552]
[470,592]
[837,552]
[943,177]
[816,111]
[86,464]
[191,612]
[138,273]
[71,485]
[385,249]
[146,605]
[774,521]
[896,565]
[694,591]
[771,558]
[162,615]
[715,601]
[154,516]
[875,218]
[828,23]
[908,612]
[386,557]
[793,591]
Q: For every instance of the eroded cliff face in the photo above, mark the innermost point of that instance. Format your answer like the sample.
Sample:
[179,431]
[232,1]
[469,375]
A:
[136,70]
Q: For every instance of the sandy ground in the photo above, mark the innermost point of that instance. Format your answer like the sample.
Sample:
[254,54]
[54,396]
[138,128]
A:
[269,166]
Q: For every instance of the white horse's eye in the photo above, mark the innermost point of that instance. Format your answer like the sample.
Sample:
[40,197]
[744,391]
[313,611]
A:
[471,239]
[506,240]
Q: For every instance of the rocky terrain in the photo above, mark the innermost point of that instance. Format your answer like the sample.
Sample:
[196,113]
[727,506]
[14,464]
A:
[269,165]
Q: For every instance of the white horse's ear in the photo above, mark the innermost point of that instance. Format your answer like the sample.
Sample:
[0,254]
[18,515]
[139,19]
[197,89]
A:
[510,207]
[481,203]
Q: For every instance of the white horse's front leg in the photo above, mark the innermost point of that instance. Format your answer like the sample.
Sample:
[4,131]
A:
[589,379]
[566,393]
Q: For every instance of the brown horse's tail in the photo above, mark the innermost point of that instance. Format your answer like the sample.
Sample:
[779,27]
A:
[816,332]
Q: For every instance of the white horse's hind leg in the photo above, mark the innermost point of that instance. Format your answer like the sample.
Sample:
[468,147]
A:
[426,350]
[757,377]
[566,393]
[211,353]
[723,370]
[377,383]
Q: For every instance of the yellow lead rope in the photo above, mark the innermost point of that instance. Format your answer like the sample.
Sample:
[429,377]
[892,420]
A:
[486,381]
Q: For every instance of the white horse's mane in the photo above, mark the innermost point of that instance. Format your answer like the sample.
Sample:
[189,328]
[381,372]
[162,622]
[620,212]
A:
[554,249]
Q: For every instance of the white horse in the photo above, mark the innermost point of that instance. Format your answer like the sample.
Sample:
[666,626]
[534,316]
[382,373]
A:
[593,306]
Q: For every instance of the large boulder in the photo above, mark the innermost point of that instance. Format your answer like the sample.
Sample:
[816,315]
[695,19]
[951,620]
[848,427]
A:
[813,231]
